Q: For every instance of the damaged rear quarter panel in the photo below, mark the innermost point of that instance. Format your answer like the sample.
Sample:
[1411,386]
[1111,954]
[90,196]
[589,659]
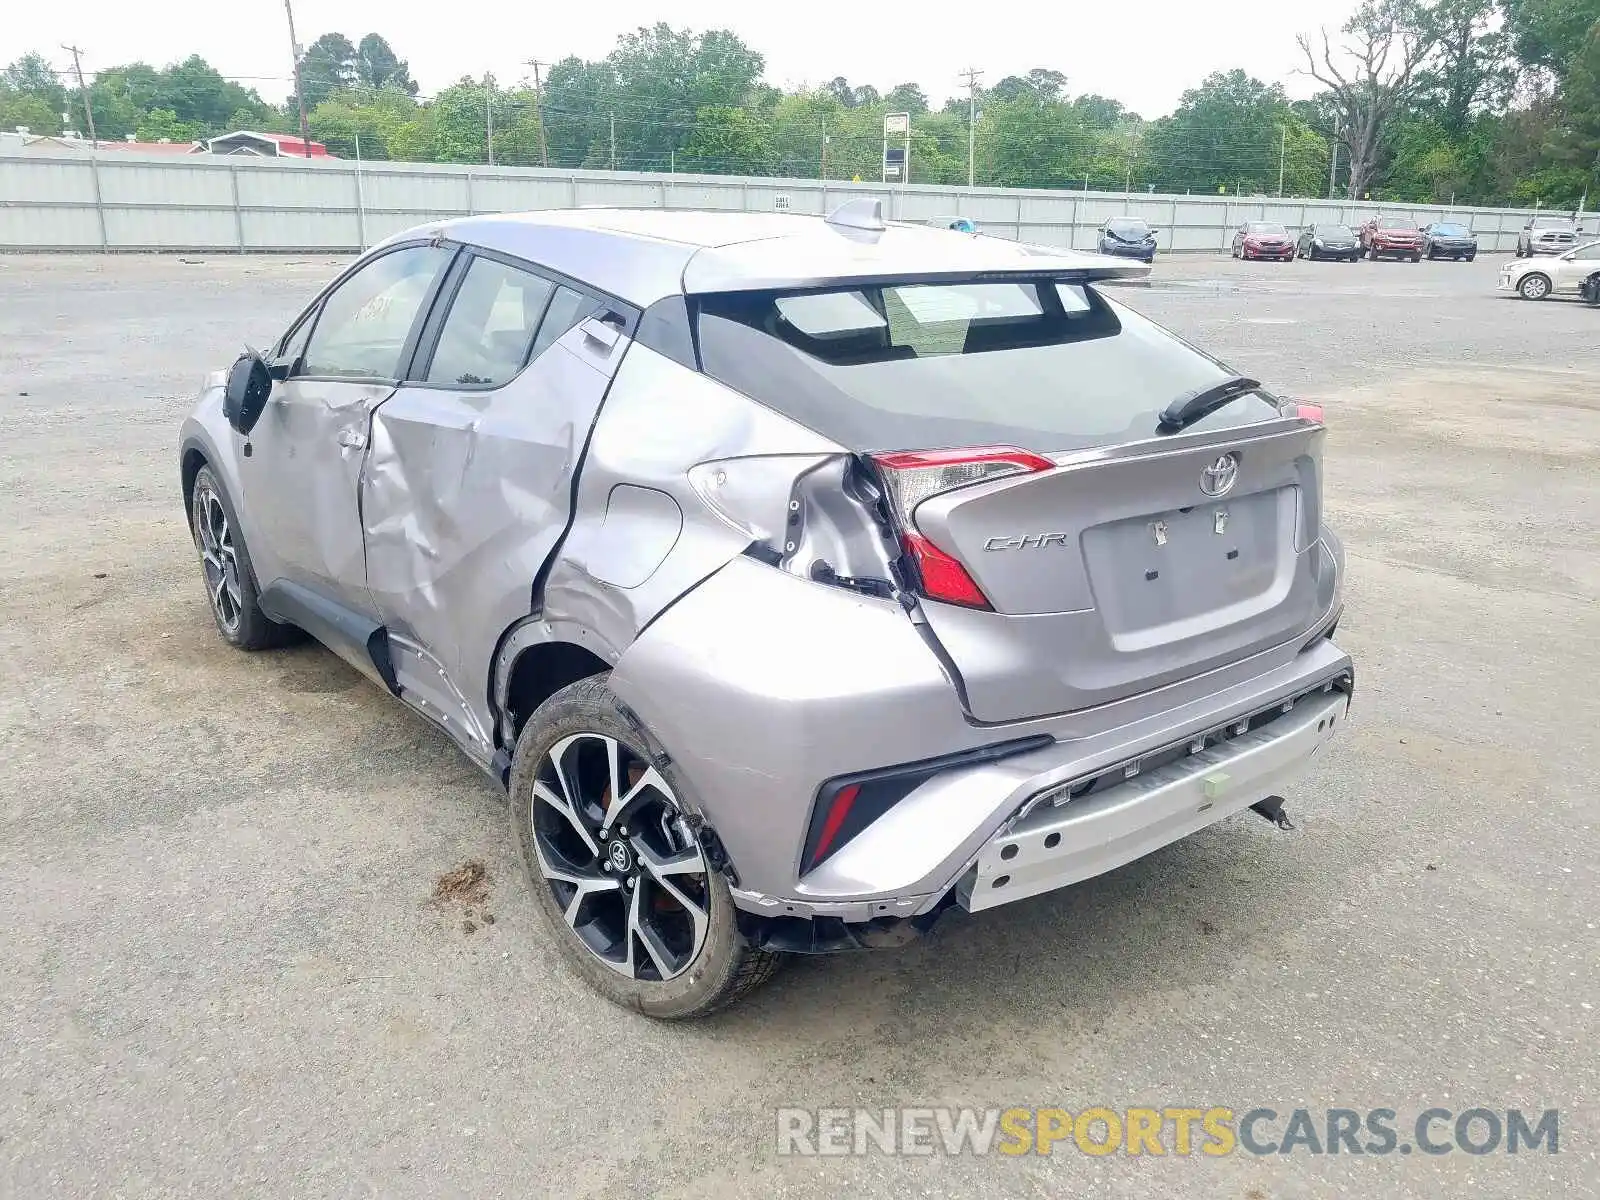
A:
[625,560]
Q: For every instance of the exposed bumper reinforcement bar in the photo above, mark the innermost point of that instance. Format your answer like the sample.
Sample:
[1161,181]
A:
[1052,847]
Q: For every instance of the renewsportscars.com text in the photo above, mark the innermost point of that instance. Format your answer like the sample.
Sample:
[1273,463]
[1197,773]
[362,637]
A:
[1179,1131]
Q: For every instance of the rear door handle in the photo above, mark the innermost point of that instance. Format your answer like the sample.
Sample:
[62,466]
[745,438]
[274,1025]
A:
[352,439]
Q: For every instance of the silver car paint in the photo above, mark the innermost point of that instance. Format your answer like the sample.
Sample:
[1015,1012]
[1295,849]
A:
[761,683]
[764,686]
[614,575]
[646,256]
[466,493]
[1100,588]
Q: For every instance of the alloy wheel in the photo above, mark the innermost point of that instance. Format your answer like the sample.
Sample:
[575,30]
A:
[1534,287]
[625,868]
[213,534]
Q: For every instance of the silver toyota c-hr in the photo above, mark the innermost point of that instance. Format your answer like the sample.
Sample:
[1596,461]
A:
[800,578]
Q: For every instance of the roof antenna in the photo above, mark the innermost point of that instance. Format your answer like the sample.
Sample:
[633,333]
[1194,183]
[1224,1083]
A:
[858,214]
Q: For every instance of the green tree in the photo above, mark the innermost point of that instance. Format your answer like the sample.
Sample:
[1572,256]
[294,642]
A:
[727,140]
[31,75]
[1548,35]
[329,65]
[1373,74]
[1471,67]
[908,98]
[164,125]
[18,110]
[377,66]
[1235,132]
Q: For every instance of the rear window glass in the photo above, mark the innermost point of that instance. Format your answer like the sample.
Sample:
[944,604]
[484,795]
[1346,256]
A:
[1448,230]
[1265,227]
[1334,231]
[1041,364]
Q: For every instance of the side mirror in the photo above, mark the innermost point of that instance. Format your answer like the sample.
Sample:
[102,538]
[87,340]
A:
[249,386]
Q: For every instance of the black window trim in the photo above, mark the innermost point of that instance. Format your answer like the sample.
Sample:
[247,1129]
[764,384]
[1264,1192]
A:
[408,350]
[421,361]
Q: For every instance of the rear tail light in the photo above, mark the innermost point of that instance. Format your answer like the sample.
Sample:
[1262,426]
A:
[912,476]
[1306,412]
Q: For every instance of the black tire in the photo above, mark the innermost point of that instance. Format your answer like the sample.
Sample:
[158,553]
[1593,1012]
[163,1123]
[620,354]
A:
[725,967]
[231,590]
[1472,256]
[1416,258]
[1537,292]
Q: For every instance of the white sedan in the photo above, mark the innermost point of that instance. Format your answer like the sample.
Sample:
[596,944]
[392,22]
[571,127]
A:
[1536,278]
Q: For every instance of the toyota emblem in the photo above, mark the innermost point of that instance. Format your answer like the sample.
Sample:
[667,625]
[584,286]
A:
[1218,478]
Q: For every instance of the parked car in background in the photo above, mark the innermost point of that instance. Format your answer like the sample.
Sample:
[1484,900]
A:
[1449,239]
[1548,235]
[1263,239]
[959,224]
[1534,279]
[895,622]
[1128,237]
[1391,237]
[1328,241]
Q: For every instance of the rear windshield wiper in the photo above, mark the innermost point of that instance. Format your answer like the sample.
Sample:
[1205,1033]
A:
[1191,406]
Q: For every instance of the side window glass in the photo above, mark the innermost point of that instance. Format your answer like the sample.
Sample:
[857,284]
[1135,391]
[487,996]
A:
[364,324]
[489,330]
[1588,253]
[567,308]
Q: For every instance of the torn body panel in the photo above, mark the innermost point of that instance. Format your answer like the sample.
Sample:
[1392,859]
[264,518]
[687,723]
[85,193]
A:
[465,495]
[647,527]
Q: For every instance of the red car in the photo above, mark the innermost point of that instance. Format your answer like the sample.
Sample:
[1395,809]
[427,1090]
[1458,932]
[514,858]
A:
[1263,239]
[1391,237]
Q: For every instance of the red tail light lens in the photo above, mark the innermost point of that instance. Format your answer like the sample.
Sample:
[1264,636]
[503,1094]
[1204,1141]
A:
[913,476]
[943,578]
[1306,412]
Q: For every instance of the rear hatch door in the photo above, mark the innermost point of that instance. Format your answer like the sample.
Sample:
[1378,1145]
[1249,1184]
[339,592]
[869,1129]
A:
[1116,573]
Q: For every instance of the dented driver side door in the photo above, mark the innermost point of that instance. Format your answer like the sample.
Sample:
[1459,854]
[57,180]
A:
[302,469]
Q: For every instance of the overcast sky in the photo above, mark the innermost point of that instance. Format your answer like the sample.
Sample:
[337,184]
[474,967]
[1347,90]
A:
[1142,54]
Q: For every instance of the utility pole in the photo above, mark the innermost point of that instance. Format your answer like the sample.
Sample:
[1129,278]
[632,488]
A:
[613,141]
[299,91]
[1283,146]
[538,108]
[972,76]
[1333,158]
[88,110]
[488,119]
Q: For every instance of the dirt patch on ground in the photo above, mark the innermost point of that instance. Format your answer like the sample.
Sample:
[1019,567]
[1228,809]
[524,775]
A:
[467,886]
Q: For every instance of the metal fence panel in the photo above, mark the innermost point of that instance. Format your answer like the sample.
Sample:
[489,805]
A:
[75,199]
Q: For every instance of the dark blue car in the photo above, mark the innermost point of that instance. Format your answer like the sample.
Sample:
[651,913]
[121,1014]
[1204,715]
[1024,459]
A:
[1128,237]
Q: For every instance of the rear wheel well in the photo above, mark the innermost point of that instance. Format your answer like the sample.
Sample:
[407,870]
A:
[543,670]
[193,460]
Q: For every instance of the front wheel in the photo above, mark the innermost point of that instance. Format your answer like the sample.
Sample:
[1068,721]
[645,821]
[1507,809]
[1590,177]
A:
[617,867]
[225,563]
[1534,286]
[1416,258]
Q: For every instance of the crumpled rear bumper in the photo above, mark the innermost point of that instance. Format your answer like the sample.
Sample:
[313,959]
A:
[1051,846]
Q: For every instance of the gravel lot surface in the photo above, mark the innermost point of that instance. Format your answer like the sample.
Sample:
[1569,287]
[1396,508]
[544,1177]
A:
[222,972]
